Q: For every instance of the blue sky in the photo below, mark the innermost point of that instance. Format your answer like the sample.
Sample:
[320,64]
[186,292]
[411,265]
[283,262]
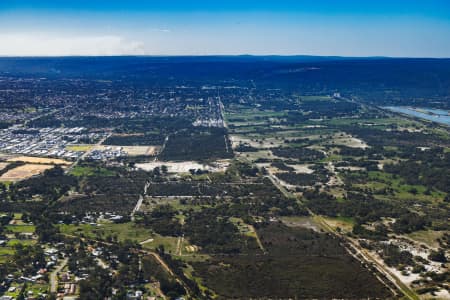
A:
[341,27]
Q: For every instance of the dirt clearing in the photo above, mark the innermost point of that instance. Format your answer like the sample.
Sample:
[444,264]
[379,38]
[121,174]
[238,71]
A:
[132,150]
[24,172]
[3,165]
[185,166]
[40,160]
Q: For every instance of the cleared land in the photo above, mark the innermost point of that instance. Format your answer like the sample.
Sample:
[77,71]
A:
[81,148]
[3,165]
[344,139]
[183,167]
[24,172]
[132,150]
[40,160]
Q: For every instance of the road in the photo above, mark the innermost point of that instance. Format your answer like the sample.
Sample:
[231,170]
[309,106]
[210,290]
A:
[54,276]
[334,179]
[258,240]
[167,268]
[146,241]
[83,156]
[140,200]
[222,114]
[137,207]
[368,258]
[162,147]
[179,245]
[226,143]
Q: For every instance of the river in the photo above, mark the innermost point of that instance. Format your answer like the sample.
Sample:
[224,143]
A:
[430,114]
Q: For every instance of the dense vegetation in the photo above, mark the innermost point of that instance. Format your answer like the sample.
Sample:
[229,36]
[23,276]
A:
[301,154]
[197,145]
[320,266]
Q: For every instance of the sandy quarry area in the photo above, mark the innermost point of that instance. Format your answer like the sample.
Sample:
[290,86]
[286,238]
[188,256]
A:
[185,166]
[132,150]
[24,172]
[40,160]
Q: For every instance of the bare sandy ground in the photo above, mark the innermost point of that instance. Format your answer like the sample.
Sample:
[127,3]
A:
[302,169]
[3,165]
[344,139]
[185,166]
[132,150]
[305,222]
[40,160]
[24,172]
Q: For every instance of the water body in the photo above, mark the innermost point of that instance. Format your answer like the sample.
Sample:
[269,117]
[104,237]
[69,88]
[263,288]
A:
[430,114]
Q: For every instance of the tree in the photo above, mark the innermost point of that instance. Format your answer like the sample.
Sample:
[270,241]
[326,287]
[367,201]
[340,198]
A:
[438,256]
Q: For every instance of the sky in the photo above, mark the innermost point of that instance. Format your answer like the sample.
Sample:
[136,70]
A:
[396,28]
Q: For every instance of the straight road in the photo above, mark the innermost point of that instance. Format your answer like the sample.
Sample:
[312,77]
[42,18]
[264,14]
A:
[83,156]
[54,276]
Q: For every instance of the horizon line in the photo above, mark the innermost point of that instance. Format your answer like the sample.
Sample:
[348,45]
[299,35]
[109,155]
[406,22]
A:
[228,55]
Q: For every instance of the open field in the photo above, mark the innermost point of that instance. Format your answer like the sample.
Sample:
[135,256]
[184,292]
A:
[347,140]
[378,180]
[81,171]
[185,166]
[141,150]
[81,147]
[21,228]
[132,150]
[169,243]
[40,160]
[345,224]
[123,231]
[150,203]
[24,172]
[3,165]
[304,222]
[427,237]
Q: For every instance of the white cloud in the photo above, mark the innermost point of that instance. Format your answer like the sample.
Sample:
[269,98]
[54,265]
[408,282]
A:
[161,30]
[26,44]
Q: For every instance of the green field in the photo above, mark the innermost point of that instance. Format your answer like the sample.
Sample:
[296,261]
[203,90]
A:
[82,148]
[123,231]
[378,180]
[21,228]
[85,171]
